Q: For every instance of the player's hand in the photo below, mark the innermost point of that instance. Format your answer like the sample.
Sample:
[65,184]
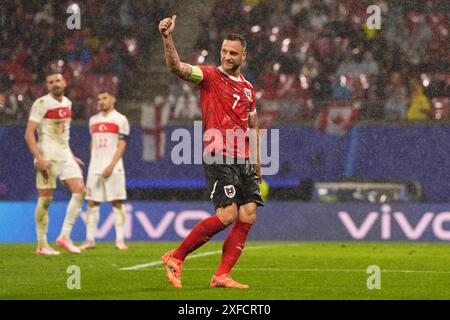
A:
[107,172]
[166,26]
[44,167]
[79,161]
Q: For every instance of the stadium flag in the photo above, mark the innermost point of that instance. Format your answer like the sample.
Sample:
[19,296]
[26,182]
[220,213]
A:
[154,120]
[337,118]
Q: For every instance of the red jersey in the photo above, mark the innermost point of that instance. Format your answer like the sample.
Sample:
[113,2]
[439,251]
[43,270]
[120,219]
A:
[226,103]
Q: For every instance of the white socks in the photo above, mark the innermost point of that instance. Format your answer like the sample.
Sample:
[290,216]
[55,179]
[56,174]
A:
[41,218]
[92,217]
[119,223]
[72,212]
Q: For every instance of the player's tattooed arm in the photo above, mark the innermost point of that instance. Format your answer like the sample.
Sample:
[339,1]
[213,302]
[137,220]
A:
[183,70]
[253,124]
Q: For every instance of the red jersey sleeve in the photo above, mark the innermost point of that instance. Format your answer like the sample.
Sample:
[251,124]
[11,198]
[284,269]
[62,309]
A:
[208,73]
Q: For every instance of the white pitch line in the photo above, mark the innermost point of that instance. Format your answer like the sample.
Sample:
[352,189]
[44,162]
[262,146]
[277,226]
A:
[316,270]
[217,252]
[340,270]
[195,256]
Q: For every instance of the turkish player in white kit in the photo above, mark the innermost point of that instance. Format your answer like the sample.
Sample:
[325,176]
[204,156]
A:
[50,116]
[106,175]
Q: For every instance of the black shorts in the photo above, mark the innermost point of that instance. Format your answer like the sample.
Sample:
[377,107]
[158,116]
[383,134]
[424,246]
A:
[232,183]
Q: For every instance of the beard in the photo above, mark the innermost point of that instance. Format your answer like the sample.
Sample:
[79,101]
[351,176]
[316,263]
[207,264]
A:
[57,92]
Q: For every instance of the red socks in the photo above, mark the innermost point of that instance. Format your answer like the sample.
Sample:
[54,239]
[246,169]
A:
[233,246]
[201,234]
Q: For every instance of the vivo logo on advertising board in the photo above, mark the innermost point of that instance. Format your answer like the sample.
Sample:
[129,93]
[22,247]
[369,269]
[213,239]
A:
[435,221]
[153,230]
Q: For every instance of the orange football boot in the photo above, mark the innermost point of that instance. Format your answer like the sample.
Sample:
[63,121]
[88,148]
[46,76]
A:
[225,281]
[173,268]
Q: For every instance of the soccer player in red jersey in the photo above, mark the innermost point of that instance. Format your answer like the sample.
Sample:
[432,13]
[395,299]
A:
[228,104]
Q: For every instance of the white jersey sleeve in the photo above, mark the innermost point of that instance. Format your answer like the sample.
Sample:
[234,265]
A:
[124,127]
[38,110]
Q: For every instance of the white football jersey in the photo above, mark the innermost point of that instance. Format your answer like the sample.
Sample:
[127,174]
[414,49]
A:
[105,131]
[54,119]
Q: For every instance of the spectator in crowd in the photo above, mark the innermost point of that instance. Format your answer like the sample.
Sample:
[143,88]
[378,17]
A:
[419,106]
[311,68]
[369,66]
[339,89]
[34,39]
[348,66]
[316,39]
[396,104]
[370,108]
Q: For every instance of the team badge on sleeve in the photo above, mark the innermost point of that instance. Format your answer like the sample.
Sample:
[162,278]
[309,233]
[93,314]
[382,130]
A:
[230,191]
[248,94]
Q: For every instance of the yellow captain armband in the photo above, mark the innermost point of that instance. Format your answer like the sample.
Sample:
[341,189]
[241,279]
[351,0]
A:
[197,75]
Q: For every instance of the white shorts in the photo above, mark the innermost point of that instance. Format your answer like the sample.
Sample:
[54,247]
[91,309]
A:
[101,189]
[58,169]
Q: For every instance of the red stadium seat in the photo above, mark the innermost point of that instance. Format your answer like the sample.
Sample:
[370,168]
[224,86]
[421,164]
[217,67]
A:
[91,107]
[286,83]
[414,19]
[324,47]
[108,82]
[436,21]
[79,67]
[270,84]
[37,90]
[20,87]
[440,108]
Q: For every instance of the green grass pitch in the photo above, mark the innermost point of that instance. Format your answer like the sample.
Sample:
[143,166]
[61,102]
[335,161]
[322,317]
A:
[274,270]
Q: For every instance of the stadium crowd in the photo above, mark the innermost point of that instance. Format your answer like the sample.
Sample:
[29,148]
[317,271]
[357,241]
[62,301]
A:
[304,54]
[102,54]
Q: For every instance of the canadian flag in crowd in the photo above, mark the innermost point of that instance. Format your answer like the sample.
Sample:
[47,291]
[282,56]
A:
[337,118]
[154,119]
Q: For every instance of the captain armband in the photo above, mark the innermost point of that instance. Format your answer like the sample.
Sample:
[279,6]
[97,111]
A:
[196,75]
[124,137]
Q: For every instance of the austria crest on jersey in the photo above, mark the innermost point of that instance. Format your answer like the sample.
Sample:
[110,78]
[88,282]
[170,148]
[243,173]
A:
[248,94]
[230,192]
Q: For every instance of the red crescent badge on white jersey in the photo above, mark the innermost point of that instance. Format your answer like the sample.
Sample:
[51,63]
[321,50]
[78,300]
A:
[102,127]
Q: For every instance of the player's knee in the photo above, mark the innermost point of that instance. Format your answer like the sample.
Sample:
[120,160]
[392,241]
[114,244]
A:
[229,214]
[45,193]
[93,204]
[117,204]
[81,190]
[247,213]
[78,197]
[78,191]
[77,187]
[248,217]
[44,202]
